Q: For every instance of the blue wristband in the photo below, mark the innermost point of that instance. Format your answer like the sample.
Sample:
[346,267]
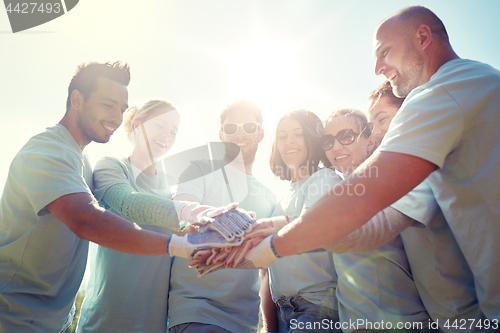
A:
[272,247]
[168,244]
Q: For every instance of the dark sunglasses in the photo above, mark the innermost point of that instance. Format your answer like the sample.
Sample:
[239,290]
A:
[345,137]
[248,128]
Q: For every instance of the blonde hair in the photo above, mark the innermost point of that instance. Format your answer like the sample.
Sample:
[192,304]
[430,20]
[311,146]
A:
[140,114]
[364,126]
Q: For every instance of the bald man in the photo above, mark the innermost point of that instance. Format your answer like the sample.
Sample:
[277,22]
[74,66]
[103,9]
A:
[446,132]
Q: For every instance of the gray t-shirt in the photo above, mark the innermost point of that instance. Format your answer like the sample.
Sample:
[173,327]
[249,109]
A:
[226,298]
[310,275]
[41,260]
[453,121]
[126,292]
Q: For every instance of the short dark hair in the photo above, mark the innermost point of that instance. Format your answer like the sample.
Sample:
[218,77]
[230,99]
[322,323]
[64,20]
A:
[242,106]
[86,76]
[385,90]
[313,133]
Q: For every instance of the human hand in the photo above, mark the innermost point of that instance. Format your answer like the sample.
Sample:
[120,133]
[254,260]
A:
[262,255]
[234,255]
[229,221]
[191,244]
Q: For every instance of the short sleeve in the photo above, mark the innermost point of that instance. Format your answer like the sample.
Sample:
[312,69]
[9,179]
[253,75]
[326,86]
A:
[108,172]
[419,204]
[429,125]
[48,174]
[320,184]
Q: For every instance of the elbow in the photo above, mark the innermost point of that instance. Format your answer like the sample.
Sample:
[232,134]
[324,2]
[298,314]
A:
[83,224]
[81,229]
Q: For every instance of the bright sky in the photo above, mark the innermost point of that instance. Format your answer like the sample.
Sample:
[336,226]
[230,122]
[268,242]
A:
[202,55]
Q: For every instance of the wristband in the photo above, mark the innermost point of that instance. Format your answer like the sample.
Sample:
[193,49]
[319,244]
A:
[272,246]
[168,243]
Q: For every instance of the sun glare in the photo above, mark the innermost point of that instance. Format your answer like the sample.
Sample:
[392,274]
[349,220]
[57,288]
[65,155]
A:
[264,74]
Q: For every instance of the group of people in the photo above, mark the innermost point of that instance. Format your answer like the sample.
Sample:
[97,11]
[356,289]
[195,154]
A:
[389,223]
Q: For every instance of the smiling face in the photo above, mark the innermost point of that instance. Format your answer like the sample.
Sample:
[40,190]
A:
[102,112]
[291,145]
[248,143]
[381,114]
[161,131]
[349,157]
[398,58]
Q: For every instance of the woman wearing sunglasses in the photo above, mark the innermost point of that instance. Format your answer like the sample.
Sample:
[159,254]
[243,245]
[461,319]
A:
[374,286]
[302,286]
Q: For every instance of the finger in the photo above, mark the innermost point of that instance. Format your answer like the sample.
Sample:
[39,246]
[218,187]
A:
[209,269]
[242,252]
[232,206]
[229,259]
[261,232]
[214,253]
[224,231]
[220,257]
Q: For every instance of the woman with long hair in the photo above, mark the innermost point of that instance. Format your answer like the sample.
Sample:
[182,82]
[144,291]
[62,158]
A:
[302,286]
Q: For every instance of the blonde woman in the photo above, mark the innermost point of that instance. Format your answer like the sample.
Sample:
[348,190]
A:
[125,292]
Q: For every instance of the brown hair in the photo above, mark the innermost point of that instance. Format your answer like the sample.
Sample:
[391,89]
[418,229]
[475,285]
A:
[313,133]
[86,76]
[385,90]
[242,106]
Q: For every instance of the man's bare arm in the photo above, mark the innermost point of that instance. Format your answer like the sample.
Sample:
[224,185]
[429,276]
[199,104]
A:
[381,180]
[81,213]
[381,228]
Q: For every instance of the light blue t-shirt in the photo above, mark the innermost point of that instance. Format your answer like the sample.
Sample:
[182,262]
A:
[378,287]
[453,121]
[126,292]
[309,275]
[41,260]
[226,298]
[442,276]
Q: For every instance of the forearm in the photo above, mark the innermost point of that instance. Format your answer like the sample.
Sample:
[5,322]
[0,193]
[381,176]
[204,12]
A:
[381,228]
[267,306]
[81,213]
[142,208]
[119,234]
[353,202]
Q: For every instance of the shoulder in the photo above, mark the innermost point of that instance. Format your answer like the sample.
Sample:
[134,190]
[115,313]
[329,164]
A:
[325,175]
[55,146]
[456,78]
[112,162]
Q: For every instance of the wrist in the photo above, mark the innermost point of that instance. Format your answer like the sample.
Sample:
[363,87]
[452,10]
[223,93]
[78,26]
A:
[272,246]
[175,246]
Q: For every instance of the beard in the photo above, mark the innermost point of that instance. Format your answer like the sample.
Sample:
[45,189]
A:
[411,72]
[85,123]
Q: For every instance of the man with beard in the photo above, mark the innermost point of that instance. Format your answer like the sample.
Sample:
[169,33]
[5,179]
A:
[48,213]
[226,300]
[446,132]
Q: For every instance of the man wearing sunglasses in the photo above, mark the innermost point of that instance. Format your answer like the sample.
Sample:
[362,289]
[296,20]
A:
[225,300]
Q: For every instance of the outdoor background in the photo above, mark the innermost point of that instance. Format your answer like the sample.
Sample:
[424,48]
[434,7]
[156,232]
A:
[202,55]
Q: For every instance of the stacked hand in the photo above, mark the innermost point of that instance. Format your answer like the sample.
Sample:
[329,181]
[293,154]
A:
[222,228]
[227,220]
[253,251]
